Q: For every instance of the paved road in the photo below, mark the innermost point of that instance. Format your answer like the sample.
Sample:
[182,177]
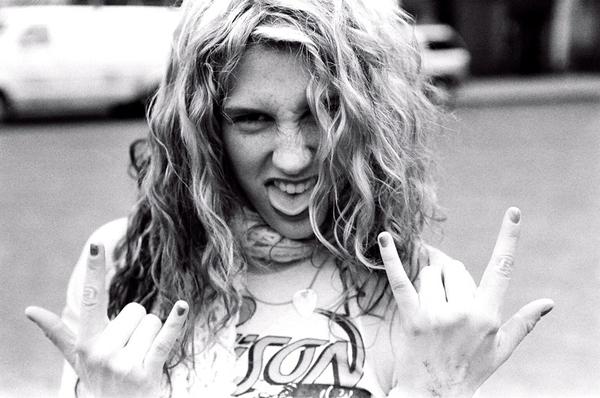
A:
[59,181]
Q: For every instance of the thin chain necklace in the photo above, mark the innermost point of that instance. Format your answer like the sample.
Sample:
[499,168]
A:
[303,300]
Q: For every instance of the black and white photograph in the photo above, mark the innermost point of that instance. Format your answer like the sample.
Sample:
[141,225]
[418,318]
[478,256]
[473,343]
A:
[300,198]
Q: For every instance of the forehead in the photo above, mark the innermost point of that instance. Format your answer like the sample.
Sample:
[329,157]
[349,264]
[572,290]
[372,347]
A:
[266,73]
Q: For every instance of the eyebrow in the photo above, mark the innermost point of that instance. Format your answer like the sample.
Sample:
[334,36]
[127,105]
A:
[241,110]
[233,111]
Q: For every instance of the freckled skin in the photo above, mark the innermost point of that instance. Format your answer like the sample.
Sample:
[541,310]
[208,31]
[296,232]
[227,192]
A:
[279,140]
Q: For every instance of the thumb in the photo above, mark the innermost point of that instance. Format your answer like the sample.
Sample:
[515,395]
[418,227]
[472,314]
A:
[520,325]
[55,330]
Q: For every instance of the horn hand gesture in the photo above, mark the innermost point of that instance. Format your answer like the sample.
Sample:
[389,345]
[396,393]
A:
[451,337]
[119,358]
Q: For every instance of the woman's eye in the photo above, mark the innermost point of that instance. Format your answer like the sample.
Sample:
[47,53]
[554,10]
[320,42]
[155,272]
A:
[251,121]
[308,117]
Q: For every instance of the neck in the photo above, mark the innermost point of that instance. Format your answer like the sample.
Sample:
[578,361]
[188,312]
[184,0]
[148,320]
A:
[316,260]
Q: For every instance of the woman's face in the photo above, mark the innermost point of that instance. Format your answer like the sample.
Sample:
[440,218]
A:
[271,137]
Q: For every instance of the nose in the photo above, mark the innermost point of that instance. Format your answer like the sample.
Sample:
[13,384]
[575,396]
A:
[293,153]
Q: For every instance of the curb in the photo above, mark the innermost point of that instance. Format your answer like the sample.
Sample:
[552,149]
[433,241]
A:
[535,90]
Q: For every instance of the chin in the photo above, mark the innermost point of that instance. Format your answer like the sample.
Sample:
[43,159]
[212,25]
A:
[294,230]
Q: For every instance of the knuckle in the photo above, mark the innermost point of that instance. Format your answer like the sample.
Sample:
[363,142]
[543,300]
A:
[135,308]
[163,349]
[120,366]
[439,325]
[94,358]
[84,351]
[137,376]
[527,324]
[95,263]
[81,350]
[505,265]
[387,257]
[414,331]
[398,285]
[460,317]
[490,325]
[53,331]
[152,320]
[514,232]
[90,296]
[417,327]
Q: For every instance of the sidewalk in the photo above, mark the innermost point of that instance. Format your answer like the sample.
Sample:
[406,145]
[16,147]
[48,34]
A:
[528,90]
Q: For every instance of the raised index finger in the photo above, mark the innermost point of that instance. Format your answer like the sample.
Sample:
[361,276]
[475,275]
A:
[496,277]
[94,303]
[402,288]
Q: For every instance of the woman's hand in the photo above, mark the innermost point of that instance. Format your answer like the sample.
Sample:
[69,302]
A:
[119,358]
[451,337]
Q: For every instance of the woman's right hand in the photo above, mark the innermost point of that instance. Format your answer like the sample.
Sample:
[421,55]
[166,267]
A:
[119,358]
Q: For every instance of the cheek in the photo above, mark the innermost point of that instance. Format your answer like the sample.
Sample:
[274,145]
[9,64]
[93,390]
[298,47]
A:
[245,155]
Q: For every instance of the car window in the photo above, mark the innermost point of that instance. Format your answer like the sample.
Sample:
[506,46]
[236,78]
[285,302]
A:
[35,35]
[451,41]
[441,45]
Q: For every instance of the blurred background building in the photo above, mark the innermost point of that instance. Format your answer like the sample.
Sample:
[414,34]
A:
[503,36]
[520,37]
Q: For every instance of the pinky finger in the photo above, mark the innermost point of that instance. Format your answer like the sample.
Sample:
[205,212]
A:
[520,325]
[162,345]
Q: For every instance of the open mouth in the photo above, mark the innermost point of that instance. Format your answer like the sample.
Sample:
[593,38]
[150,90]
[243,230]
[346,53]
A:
[290,198]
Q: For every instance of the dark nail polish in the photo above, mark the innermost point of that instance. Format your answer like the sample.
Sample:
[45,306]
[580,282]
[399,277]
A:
[515,216]
[180,311]
[94,249]
[384,240]
[545,311]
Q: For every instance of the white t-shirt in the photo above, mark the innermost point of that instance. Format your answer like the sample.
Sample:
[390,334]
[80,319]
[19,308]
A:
[274,351]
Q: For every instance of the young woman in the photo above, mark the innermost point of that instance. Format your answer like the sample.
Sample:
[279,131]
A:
[275,249]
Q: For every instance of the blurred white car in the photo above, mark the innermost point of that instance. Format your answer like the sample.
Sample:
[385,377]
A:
[444,56]
[64,59]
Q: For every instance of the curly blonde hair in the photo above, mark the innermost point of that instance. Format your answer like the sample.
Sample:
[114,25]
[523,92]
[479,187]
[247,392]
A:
[366,92]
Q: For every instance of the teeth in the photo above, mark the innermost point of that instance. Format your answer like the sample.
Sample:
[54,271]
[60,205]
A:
[293,189]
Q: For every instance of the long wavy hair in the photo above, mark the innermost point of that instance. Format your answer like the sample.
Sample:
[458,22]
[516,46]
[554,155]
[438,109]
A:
[366,92]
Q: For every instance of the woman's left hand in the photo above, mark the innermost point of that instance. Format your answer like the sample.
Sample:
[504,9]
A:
[451,338]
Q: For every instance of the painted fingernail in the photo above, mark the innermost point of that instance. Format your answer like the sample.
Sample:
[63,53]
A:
[546,311]
[384,239]
[515,215]
[181,308]
[94,250]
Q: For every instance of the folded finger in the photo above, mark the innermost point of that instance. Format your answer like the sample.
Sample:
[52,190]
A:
[496,277]
[403,290]
[431,289]
[434,291]
[458,283]
[94,301]
[118,332]
[55,330]
[162,345]
[144,334]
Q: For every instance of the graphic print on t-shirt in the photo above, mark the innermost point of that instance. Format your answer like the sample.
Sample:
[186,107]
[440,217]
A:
[279,366]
